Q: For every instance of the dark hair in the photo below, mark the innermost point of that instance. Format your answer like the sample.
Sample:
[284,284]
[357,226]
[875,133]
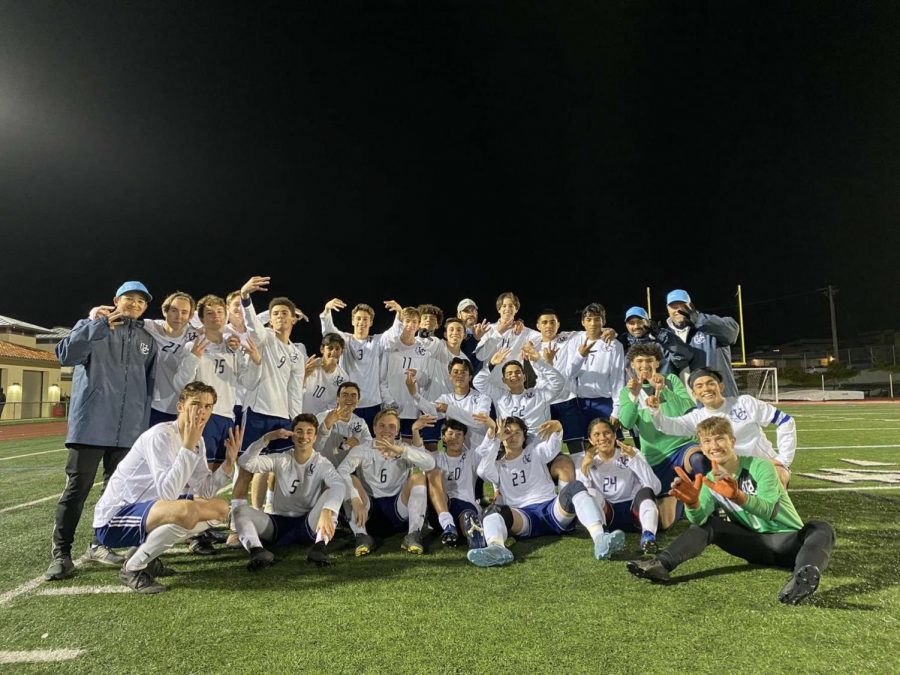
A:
[600,420]
[309,418]
[287,302]
[196,388]
[454,319]
[433,310]
[456,425]
[594,308]
[645,349]
[456,360]
[332,340]
[512,362]
[345,385]
[547,312]
[703,372]
[210,301]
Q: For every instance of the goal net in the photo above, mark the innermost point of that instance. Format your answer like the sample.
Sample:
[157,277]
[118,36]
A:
[759,382]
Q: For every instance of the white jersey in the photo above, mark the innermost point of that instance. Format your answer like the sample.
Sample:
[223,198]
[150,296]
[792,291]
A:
[297,486]
[382,477]
[748,416]
[320,389]
[159,467]
[332,443]
[240,394]
[280,389]
[525,480]
[220,368]
[600,374]
[171,349]
[559,342]
[361,359]
[532,405]
[459,474]
[618,479]
[492,341]
[440,374]
[397,359]
[461,409]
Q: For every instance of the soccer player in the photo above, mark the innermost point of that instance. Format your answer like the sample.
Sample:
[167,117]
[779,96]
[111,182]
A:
[340,429]
[362,354]
[324,375]
[209,359]
[748,415]
[596,369]
[531,506]
[622,484]
[308,496]
[760,525]
[112,386]
[507,333]
[713,335]
[430,319]
[662,451]
[162,491]
[386,494]
[451,484]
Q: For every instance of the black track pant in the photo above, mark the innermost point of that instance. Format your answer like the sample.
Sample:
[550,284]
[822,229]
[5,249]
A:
[810,545]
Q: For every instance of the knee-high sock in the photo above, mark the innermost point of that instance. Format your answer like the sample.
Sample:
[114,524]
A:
[251,526]
[358,529]
[157,542]
[648,514]
[418,502]
[494,529]
[588,513]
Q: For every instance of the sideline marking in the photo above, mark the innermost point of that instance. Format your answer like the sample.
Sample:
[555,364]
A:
[847,489]
[842,447]
[40,656]
[32,454]
[37,501]
[29,586]
[84,590]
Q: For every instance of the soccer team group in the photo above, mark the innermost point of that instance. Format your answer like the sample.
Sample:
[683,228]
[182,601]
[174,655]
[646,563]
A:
[458,423]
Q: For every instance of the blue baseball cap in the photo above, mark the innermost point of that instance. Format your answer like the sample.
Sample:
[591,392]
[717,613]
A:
[132,287]
[636,311]
[678,295]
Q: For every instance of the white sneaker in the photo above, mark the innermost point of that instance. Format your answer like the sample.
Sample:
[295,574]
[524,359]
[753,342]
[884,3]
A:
[103,555]
[490,556]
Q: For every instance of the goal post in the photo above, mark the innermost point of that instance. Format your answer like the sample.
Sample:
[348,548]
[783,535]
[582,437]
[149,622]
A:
[759,382]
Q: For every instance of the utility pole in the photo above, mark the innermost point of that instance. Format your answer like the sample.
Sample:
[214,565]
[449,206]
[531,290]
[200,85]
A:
[831,291]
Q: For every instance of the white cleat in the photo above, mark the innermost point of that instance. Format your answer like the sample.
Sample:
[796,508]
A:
[609,543]
[490,556]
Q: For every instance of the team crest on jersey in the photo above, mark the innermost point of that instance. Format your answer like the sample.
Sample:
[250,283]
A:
[191,336]
[311,469]
[698,339]
[526,458]
[356,427]
[145,348]
[738,414]
[746,483]
[529,393]
[561,338]
[420,350]
[338,380]
[622,461]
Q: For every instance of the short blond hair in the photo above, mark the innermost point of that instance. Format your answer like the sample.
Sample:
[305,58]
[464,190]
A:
[715,426]
[178,295]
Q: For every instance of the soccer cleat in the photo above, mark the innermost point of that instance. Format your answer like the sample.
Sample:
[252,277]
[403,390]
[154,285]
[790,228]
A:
[201,545]
[450,536]
[318,554]
[140,582]
[473,530]
[155,567]
[365,544]
[648,543]
[490,556]
[802,584]
[217,536]
[103,555]
[259,559]
[412,543]
[233,542]
[649,569]
[609,543]
[60,568]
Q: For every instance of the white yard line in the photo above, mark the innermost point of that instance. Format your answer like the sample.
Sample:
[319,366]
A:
[845,447]
[29,586]
[40,656]
[806,430]
[36,501]
[847,489]
[83,590]
[32,454]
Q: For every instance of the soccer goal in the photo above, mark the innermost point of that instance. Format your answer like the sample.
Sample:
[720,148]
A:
[759,382]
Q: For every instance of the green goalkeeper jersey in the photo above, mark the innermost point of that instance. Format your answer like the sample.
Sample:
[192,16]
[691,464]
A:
[768,507]
[655,445]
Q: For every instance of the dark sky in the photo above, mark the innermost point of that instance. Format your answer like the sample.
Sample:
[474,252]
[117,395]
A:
[427,151]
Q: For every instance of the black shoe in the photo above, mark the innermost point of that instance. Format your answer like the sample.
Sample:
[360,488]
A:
[60,567]
[318,554]
[450,536]
[260,558]
[141,581]
[649,569]
[201,545]
[412,543]
[216,536]
[365,544]
[157,568]
[802,585]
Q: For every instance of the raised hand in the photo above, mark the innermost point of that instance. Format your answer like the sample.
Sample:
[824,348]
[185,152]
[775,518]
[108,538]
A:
[233,342]
[685,490]
[114,319]
[500,356]
[411,385]
[233,445]
[486,420]
[587,347]
[253,351]
[301,316]
[312,363]
[393,305]
[423,422]
[100,312]
[278,435]
[725,485]
[504,325]
[192,431]
[335,305]
[625,449]
[518,327]
[253,285]
[479,329]
[548,428]
[634,383]
[529,353]
[608,335]
[550,353]
[388,449]
[441,407]
[199,348]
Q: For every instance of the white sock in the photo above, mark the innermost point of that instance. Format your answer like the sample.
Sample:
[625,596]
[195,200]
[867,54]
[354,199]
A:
[157,542]
[270,496]
[417,504]
[494,529]
[588,514]
[562,484]
[648,513]
[358,529]
[245,527]
[445,519]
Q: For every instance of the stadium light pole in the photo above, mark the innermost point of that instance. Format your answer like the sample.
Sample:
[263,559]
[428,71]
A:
[831,291]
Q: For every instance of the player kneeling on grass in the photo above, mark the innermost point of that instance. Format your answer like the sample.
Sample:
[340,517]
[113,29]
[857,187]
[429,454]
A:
[307,496]
[761,524]
[163,492]
[622,484]
[394,497]
[531,507]
[451,485]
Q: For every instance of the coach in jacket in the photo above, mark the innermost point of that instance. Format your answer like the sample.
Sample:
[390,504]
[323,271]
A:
[112,390]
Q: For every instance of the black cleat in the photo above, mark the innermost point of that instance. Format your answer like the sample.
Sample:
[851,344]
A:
[649,569]
[141,581]
[473,530]
[318,554]
[450,536]
[260,558]
[60,568]
[802,585]
[412,543]
[216,536]
[365,544]
[201,545]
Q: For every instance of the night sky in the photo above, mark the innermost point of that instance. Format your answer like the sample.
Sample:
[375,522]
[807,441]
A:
[428,151]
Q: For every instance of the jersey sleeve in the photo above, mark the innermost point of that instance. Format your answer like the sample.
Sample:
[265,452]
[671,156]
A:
[550,448]
[628,409]
[723,328]
[676,400]
[205,483]
[295,387]
[170,478]
[335,486]
[350,464]
[489,381]
[639,466]
[550,381]
[764,504]
[685,425]
[705,507]
[187,367]
[488,344]
[253,462]
[617,374]
[487,459]
[420,459]
[765,414]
